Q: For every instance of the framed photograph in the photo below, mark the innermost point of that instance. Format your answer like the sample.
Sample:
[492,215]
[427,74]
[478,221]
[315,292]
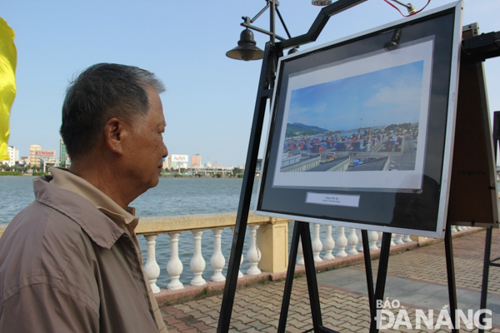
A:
[362,128]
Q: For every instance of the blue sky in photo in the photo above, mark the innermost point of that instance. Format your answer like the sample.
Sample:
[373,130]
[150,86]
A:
[379,98]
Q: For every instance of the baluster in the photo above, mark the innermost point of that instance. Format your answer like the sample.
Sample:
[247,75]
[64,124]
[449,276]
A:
[353,241]
[174,265]
[240,274]
[329,244]
[300,251]
[217,261]
[254,254]
[393,235]
[453,229]
[398,239]
[197,262]
[151,268]
[317,246]
[373,238]
[360,241]
[341,243]
[407,238]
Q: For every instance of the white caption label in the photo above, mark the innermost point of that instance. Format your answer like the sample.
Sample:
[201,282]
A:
[332,199]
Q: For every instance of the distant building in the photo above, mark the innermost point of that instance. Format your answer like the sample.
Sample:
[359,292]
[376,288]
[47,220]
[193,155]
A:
[24,160]
[65,161]
[13,156]
[177,161]
[33,160]
[46,156]
[196,160]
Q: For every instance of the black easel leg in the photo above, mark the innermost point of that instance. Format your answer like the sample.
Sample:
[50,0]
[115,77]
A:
[246,192]
[292,260]
[450,268]
[385,249]
[369,272]
[486,273]
[312,282]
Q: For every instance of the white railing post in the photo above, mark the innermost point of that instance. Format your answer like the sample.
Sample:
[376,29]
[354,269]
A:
[254,254]
[373,238]
[240,274]
[217,261]
[197,263]
[329,244]
[398,239]
[174,265]
[353,242]
[407,238]
[341,243]
[317,246]
[360,240]
[151,268]
[300,251]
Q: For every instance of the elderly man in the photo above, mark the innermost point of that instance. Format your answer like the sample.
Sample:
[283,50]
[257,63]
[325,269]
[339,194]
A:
[70,261]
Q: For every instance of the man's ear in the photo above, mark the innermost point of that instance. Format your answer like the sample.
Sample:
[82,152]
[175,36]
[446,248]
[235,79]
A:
[114,134]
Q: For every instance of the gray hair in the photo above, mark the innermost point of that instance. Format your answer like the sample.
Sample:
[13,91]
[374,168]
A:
[101,92]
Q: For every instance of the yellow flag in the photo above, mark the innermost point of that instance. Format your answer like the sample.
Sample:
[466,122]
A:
[8,61]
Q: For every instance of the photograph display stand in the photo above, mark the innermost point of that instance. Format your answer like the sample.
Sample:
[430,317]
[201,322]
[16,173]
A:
[273,52]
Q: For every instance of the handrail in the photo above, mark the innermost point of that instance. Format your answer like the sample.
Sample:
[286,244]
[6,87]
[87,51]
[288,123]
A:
[164,224]
[155,225]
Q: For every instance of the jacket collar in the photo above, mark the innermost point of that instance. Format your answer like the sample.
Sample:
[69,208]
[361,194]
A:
[99,227]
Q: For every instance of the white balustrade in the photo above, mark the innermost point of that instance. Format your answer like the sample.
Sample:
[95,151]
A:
[360,240]
[329,244]
[217,261]
[197,263]
[300,251]
[240,274]
[407,239]
[254,254]
[341,243]
[353,240]
[174,266]
[392,239]
[317,246]
[372,239]
[151,268]
[398,239]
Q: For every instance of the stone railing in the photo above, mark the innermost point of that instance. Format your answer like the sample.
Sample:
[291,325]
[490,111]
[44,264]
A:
[267,249]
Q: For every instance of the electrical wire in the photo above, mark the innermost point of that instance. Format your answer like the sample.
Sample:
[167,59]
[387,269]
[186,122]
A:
[410,14]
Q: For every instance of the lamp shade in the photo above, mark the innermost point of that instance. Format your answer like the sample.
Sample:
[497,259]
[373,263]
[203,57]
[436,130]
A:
[246,49]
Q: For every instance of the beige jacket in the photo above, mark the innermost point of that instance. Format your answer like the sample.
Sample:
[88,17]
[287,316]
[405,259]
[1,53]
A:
[67,267]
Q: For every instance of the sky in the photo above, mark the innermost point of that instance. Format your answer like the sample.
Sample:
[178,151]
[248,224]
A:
[210,99]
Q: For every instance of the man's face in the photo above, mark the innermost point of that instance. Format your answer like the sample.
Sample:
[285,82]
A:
[147,149]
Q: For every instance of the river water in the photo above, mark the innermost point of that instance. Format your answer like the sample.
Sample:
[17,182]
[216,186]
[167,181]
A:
[172,196]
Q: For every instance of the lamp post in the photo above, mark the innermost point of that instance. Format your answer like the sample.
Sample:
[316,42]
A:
[247,49]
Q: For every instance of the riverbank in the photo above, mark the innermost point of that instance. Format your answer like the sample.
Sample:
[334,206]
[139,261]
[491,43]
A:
[18,173]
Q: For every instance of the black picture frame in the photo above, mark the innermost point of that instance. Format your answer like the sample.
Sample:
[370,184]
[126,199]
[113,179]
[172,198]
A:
[412,61]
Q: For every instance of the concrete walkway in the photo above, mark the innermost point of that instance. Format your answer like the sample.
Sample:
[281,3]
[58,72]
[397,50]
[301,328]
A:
[416,279]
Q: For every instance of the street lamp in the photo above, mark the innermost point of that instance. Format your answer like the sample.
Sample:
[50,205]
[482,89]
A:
[246,49]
